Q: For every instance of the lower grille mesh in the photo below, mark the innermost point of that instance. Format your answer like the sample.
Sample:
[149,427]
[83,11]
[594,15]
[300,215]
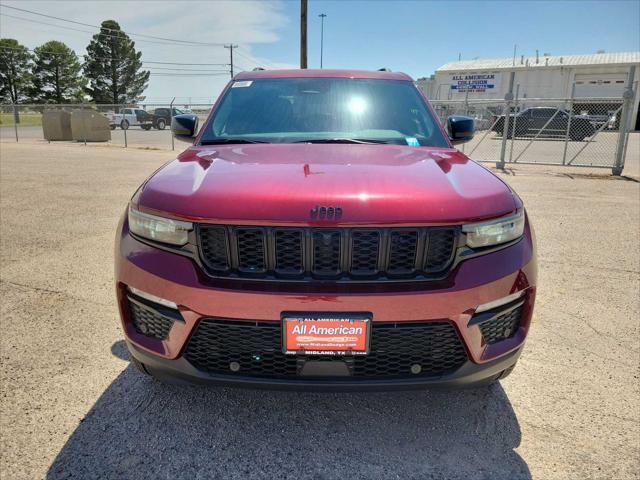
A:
[256,348]
[147,321]
[501,327]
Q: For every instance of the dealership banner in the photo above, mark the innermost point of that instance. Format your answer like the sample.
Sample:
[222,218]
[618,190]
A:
[477,82]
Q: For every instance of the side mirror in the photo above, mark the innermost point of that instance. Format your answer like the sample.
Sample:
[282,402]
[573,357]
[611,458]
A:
[184,127]
[460,129]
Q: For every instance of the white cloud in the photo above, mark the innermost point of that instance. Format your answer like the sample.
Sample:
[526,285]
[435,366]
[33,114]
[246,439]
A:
[245,23]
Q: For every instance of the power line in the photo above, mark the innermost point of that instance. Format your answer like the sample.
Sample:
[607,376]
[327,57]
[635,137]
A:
[188,64]
[189,70]
[107,58]
[253,60]
[64,27]
[166,74]
[172,40]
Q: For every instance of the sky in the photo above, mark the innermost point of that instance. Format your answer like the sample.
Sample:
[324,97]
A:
[415,37]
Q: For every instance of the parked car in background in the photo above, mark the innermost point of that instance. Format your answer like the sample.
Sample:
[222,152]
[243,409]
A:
[130,117]
[597,120]
[546,122]
[162,116]
[482,123]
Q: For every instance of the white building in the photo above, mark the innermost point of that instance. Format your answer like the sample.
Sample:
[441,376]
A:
[601,75]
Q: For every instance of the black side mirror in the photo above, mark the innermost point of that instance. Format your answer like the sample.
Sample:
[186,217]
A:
[460,129]
[184,127]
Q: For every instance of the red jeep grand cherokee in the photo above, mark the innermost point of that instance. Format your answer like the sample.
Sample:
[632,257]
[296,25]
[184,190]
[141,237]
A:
[323,233]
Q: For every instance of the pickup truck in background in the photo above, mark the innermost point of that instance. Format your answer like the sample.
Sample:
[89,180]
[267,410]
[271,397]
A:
[162,116]
[547,122]
[131,117]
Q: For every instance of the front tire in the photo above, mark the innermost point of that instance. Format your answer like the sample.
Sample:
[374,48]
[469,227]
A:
[577,137]
[161,124]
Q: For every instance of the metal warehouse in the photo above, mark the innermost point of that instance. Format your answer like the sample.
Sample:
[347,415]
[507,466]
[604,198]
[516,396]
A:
[600,75]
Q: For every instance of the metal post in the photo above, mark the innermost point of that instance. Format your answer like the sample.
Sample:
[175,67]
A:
[623,131]
[515,121]
[466,112]
[125,130]
[15,119]
[567,135]
[84,127]
[508,98]
[303,34]
[322,16]
[173,146]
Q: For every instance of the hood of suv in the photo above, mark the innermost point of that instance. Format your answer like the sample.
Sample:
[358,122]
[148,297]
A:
[283,183]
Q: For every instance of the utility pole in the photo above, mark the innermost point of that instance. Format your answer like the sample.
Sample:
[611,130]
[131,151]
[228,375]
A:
[322,15]
[231,46]
[303,33]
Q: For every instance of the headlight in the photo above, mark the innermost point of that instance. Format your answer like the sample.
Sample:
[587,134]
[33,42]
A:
[495,232]
[158,229]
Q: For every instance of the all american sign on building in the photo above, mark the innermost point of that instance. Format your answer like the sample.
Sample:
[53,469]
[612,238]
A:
[476,82]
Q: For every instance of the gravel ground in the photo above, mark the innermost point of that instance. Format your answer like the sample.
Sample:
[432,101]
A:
[73,407]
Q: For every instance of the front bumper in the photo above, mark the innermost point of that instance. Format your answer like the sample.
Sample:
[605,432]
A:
[468,375]
[473,282]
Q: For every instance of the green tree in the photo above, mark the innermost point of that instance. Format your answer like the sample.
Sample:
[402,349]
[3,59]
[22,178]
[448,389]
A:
[114,67]
[15,71]
[56,74]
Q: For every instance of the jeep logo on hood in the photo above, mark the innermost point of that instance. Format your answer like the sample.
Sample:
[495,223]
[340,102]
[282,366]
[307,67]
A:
[326,213]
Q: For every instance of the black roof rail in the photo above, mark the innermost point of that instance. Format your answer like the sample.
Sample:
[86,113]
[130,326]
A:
[257,69]
[384,69]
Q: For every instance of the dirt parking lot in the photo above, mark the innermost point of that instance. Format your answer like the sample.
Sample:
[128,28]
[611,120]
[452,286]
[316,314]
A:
[73,407]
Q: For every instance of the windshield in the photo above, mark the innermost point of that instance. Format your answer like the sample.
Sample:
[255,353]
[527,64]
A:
[323,110]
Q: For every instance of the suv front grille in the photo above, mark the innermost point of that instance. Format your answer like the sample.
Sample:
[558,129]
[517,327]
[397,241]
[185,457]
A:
[255,348]
[340,254]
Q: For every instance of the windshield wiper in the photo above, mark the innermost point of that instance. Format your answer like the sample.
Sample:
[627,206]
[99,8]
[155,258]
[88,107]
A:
[342,140]
[222,141]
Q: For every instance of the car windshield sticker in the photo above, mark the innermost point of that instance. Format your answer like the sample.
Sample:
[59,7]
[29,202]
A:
[243,83]
[412,141]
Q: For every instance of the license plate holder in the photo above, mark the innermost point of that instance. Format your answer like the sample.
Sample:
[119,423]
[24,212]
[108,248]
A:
[313,333]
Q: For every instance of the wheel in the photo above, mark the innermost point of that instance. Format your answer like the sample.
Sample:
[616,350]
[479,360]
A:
[112,126]
[160,124]
[124,125]
[577,137]
[146,127]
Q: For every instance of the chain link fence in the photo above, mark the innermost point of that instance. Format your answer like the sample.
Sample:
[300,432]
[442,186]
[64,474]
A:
[575,131]
[143,125]
[590,132]
[584,132]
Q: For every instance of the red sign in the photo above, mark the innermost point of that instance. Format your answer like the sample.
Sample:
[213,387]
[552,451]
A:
[326,336]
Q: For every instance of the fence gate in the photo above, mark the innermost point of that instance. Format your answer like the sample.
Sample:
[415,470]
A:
[577,131]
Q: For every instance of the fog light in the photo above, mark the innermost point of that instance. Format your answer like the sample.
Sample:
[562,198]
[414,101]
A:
[153,298]
[501,301]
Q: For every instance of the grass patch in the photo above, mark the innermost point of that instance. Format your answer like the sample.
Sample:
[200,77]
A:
[27,119]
